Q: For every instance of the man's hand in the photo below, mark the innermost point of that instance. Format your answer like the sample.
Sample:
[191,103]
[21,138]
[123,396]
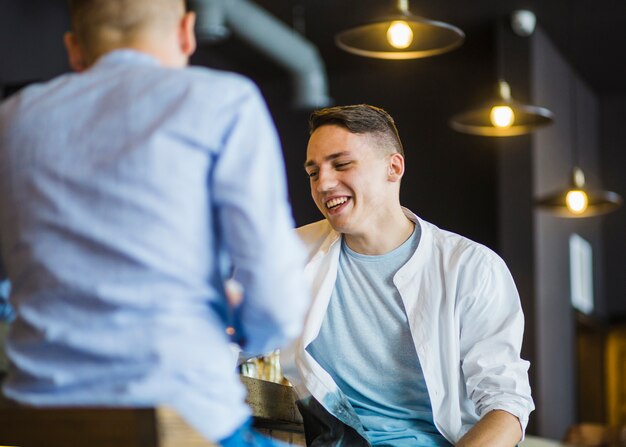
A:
[234,293]
[234,298]
[497,428]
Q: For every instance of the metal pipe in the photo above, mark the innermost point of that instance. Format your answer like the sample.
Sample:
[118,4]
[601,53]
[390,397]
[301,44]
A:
[211,21]
[277,41]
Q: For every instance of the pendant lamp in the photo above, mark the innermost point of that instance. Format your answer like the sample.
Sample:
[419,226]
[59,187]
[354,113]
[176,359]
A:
[400,36]
[578,200]
[503,117]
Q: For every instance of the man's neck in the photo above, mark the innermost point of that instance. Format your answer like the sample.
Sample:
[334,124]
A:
[384,236]
[164,50]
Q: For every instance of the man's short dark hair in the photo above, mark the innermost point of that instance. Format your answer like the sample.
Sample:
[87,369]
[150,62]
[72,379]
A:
[361,119]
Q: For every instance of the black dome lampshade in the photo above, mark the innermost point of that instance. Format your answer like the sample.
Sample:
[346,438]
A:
[578,200]
[400,36]
[503,117]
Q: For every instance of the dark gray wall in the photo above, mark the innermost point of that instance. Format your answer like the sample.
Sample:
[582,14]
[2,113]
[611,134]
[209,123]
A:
[613,157]
[31,40]
[555,85]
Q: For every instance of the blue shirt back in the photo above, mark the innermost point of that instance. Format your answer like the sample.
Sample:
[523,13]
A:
[120,189]
[366,346]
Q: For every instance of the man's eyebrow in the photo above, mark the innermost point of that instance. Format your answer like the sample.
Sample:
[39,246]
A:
[330,157]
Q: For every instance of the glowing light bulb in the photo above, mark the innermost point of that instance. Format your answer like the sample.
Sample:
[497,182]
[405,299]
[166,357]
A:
[576,201]
[502,116]
[399,34]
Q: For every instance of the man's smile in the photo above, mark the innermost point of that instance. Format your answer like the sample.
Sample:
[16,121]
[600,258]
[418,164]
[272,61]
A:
[336,202]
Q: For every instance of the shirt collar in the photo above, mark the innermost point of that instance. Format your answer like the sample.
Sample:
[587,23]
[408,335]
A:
[126,56]
[334,236]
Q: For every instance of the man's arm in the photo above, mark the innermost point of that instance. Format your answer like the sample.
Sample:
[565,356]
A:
[496,429]
[255,222]
[496,377]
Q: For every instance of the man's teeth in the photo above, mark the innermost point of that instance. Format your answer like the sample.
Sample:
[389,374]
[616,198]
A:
[336,202]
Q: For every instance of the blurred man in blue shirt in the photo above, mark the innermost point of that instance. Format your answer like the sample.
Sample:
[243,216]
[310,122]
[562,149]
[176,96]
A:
[131,190]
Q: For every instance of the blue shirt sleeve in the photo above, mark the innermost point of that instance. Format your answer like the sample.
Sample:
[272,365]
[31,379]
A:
[255,221]
[6,312]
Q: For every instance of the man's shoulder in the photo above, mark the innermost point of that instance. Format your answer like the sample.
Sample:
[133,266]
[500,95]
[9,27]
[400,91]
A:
[220,80]
[314,234]
[450,244]
[20,104]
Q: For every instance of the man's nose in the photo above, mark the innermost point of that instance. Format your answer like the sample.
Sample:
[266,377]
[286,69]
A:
[326,180]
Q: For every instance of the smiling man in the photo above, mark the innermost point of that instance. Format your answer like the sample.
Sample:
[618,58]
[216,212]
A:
[414,335]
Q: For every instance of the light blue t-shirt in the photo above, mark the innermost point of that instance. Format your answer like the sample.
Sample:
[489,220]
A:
[365,345]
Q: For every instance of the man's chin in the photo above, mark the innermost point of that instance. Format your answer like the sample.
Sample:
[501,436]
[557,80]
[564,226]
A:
[338,224]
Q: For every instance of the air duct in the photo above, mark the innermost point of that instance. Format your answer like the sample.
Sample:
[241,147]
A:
[286,47]
[211,21]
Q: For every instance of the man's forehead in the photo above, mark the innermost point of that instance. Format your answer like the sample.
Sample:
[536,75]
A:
[330,141]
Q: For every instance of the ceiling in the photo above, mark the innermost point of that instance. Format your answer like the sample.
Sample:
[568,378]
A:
[592,35]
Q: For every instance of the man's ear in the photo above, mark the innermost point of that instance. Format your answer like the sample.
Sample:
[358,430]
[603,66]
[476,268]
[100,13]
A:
[187,33]
[396,167]
[75,53]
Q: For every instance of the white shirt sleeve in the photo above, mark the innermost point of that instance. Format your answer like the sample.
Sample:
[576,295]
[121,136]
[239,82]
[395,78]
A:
[491,337]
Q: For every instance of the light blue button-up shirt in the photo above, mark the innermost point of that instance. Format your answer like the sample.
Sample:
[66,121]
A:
[120,190]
